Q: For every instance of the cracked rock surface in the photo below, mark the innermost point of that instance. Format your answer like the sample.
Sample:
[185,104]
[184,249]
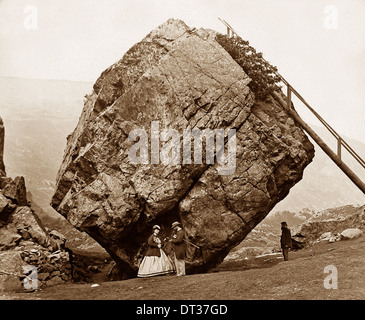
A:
[182,78]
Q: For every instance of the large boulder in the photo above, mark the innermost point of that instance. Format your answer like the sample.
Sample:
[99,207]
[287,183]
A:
[351,233]
[177,78]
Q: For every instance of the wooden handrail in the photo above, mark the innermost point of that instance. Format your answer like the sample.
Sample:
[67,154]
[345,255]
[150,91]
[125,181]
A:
[337,158]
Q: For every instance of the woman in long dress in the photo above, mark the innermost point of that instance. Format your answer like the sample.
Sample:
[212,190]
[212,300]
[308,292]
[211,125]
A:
[155,261]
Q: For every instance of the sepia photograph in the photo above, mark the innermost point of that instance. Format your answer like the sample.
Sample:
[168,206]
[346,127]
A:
[182,156]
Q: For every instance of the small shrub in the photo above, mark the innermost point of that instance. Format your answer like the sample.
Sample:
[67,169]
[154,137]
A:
[263,74]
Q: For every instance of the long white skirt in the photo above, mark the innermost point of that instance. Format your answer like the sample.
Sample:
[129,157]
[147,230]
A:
[155,266]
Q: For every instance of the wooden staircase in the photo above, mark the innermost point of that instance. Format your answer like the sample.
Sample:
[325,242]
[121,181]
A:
[287,104]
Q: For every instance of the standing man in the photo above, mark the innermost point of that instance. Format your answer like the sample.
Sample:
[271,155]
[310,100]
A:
[285,240]
[177,239]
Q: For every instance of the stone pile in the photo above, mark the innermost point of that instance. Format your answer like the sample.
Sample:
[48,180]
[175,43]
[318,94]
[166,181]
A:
[349,233]
[25,242]
[53,267]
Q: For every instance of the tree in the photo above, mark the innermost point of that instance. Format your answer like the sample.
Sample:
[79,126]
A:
[263,74]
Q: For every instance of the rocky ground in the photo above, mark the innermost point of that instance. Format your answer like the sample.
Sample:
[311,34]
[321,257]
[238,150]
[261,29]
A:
[90,264]
[267,277]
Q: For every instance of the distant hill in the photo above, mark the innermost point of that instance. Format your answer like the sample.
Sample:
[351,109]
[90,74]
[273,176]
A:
[39,114]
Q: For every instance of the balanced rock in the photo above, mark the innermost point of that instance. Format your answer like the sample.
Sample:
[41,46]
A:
[134,158]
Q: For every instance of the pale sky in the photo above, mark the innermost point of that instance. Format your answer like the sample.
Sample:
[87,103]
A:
[319,46]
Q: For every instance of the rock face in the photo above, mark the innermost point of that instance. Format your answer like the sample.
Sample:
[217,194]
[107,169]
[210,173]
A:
[176,78]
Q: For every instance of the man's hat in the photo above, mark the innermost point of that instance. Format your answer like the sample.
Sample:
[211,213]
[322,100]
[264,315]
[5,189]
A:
[175,224]
[156,227]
